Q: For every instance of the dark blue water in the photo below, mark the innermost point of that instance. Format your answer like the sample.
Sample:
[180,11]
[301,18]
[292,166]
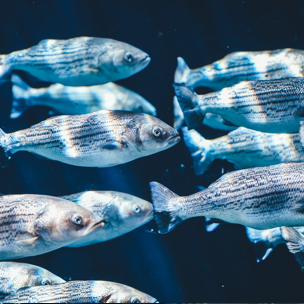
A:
[188,264]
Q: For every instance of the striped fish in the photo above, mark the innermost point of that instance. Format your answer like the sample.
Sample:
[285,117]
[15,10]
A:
[240,66]
[14,276]
[80,292]
[244,148]
[35,224]
[77,100]
[274,106]
[82,61]
[260,198]
[100,139]
[120,214]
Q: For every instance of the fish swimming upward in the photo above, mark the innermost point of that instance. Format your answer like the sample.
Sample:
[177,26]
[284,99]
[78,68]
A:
[80,292]
[99,139]
[77,100]
[14,276]
[35,224]
[240,66]
[260,198]
[274,106]
[120,214]
[82,61]
[244,148]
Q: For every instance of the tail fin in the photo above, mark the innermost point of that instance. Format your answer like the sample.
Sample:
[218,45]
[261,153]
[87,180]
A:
[20,94]
[178,114]
[188,102]
[166,207]
[182,71]
[5,156]
[210,225]
[199,148]
[3,74]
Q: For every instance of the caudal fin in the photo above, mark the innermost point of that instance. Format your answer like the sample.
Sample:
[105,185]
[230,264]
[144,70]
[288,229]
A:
[166,207]
[188,101]
[199,148]
[20,96]
[182,71]
[5,155]
[3,72]
[178,114]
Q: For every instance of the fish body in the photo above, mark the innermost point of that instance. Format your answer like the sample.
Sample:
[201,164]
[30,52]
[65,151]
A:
[14,276]
[244,148]
[82,61]
[259,198]
[120,213]
[99,139]
[77,100]
[240,66]
[35,224]
[275,106]
[80,292]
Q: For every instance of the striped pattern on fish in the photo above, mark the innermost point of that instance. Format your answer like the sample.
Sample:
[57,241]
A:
[240,66]
[260,198]
[244,148]
[99,139]
[80,292]
[77,61]
[275,106]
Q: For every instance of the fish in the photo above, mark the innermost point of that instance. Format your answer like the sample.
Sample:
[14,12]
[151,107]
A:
[99,139]
[77,100]
[259,198]
[80,292]
[295,243]
[31,224]
[267,106]
[14,276]
[244,148]
[81,61]
[266,240]
[120,214]
[240,66]
[211,120]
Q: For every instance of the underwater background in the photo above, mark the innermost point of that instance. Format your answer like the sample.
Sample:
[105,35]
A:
[188,264]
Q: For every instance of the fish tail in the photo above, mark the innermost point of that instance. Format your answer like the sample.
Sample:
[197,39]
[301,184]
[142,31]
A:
[199,148]
[262,247]
[182,71]
[210,226]
[188,102]
[166,207]
[21,94]
[5,155]
[3,71]
[178,114]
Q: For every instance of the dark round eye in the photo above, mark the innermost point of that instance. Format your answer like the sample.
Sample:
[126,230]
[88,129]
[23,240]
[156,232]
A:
[157,132]
[78,220]
[136,209]
[46,282]
[135,301]
[129,57]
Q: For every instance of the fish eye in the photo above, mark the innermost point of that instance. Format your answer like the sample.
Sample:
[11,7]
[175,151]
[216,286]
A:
[78,220]
[129,57]
[46,282]
[157,132]
[104,223]
[136,209]
[135,300]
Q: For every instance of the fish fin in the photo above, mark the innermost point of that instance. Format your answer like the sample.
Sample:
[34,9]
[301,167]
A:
[200,188]
[301,133]
[199,148]
[91,71]
[20,92]
[3,71]
[115,145]
[228,123]
[182,71]
[211,227]
[299,112]
[29,241]
[300,259]
[166,207]
[188,101]
[178,114]
[5,156]
[299,206]
[293,239]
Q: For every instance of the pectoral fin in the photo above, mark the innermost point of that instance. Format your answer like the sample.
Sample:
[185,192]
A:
[91,70]
[301,133]
[29,241]
[299,206]
[115,145]
[228,123]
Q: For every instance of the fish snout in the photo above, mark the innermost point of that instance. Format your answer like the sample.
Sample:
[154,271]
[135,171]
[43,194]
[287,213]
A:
[173,137]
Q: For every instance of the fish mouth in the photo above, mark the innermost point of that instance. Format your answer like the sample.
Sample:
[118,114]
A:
[146,59]
[173,140]
[95,226]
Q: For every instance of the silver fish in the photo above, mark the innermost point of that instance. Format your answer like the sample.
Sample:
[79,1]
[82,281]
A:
[14,276]
[80,292]
[99,139]
[240,66]
[82,61]
[35,224]
[211,120]
[260,198]
[244,148]
[267,106]
[120,214]
[77,100]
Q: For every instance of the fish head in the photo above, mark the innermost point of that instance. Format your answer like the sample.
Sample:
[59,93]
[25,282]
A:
[119,293]
[154,135]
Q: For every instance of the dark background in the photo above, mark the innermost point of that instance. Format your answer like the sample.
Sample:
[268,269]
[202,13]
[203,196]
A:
[188,264]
